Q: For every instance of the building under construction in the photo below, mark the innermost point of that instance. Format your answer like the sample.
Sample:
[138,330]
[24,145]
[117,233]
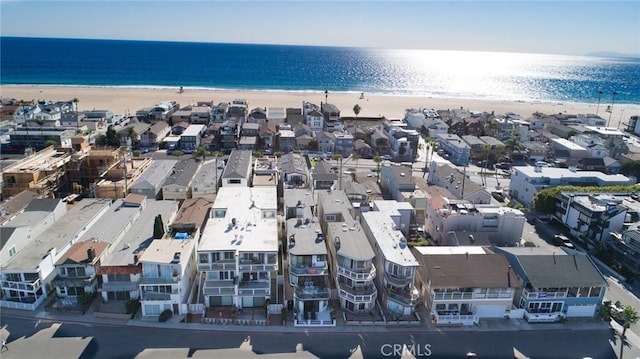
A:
[42,172]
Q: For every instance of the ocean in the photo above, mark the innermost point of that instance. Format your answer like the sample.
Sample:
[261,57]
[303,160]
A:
[428,73]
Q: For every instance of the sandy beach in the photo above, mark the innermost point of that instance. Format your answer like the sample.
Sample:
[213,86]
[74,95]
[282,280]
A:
[129,100]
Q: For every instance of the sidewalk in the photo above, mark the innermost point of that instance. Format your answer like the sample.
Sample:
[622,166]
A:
[485,325]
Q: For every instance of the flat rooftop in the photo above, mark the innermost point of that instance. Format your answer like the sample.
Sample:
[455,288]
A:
[391,241]
[557,173]
[66,230]
[114,224]
[242,219]
[308,235]
[138,238]
[164,250]
[353,241]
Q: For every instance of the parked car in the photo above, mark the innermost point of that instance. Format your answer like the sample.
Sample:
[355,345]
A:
[503,165]
[543,164]
[499,196]
[562,240]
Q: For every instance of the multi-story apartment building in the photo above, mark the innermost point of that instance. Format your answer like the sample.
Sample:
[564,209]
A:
[403,142]
[459,151]
[120,268]
[396,265]
[27,273]
[238,251]
[350,255]
[625,248]
[168,268]
[308,268]
[331,116]
[593,215]
[526,181]
[40,172]
[499,225]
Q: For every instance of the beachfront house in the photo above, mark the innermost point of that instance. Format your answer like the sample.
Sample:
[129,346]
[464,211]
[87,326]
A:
[350,255]
[120,268]
[77,271]
[556,285]
[308,269]
[238,251]
[27,273]
[462,285]
[395,264]
[331,117]
[168,269]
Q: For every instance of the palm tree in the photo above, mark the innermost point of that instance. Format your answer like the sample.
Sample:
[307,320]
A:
[201,151]
[356,156]
[356,110]
[75,108]
[378,160]
[337,157]
[629,316]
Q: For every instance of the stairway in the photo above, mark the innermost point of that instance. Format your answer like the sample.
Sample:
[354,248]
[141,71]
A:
[276,295]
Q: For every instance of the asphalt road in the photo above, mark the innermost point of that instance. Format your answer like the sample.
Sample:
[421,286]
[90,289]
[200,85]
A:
[111,341]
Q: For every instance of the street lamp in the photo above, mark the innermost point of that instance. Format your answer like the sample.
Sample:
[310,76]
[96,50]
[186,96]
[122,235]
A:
[613,99]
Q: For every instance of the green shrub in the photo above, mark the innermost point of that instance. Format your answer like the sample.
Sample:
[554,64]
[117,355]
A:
[165,315]
[132,306]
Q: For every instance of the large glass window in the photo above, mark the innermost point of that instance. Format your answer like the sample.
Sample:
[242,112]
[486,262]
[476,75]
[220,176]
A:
[203,258]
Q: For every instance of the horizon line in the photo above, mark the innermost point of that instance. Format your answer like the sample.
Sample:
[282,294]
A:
[601,53]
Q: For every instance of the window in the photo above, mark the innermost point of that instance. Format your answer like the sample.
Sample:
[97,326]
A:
[219,213]
[268,214]
[229,255]
[595,292]
[234,181]
[12,251]
[118,278]
[203,258]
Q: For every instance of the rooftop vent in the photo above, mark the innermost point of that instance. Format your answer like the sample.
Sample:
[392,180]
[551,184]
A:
[176,257]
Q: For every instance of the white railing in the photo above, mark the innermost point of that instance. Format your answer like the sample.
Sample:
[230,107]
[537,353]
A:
[217,266]
[541,295]
[464,319]
[28,286]
[452,296]
[359,298]
[542,317]
[368,275]
[314,323]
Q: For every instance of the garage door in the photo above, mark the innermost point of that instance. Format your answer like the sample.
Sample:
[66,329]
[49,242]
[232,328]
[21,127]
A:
[581,310]
[490,311]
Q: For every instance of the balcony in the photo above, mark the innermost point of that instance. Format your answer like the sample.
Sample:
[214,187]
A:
[254,288]
[247,267]
[157,296]
[227,265]
[31,287]
[397,281]
[311,292]
[452,295]
[308,270]
[368,274]
[218,287]
[160,280]
[357,296]
[543,295]
[409,296]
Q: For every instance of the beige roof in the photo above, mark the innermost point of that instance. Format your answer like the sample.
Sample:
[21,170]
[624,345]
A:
[165,250]
[78,252]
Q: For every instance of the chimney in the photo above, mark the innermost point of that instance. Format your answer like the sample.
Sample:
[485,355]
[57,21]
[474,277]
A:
[91,254]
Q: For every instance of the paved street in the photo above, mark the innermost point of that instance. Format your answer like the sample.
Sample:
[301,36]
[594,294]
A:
[126,341]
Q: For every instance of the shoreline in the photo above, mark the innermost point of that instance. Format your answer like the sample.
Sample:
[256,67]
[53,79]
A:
[128,99]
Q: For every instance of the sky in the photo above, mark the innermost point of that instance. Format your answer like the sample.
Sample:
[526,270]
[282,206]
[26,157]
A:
[554,27]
